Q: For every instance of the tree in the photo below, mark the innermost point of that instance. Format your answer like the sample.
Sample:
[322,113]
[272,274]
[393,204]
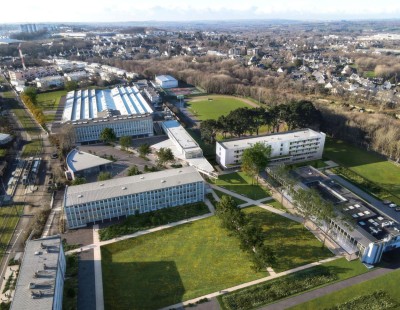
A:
[263,257]
[134,170]
[79,181]
[255,159]
[125,142]
[31,92]
[231,216]
[208,130]
[71,85]
[107,135]
[164,155]
[104,175]
[144,150]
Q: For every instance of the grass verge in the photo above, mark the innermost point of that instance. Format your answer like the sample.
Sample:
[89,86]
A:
[240,183]
[149,220]
[70,293]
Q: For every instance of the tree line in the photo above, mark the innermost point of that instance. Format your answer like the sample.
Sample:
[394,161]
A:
[250,235]
[296,114]
[29,97]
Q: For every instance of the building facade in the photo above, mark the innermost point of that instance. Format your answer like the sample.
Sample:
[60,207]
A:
[286,147]
[122,108]
[362,229]
[32,73]
[40,281]
[166,81]
[99,201]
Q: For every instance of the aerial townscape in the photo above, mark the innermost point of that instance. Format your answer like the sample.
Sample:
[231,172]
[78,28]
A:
[212,155]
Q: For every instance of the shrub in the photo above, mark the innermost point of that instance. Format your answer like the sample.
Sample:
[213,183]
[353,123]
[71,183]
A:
[378,300]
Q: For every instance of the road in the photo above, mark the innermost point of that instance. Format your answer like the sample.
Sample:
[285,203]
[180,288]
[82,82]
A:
[33,200]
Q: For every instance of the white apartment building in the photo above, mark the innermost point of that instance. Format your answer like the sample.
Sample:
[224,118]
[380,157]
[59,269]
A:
[40,281]
[122,108]
[76,75]
[50,81]
[166,81]
[99,201]
[286,147]
[32,73]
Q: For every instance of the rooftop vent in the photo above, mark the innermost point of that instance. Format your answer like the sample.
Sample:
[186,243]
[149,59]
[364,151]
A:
[38,253]
[142,178]
[163,181]
[32,285]
[101,184]
[124,188]
[80,196]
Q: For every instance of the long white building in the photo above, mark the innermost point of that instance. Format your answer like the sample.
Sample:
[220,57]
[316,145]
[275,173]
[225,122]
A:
[99,201]
[40,281]
[122,108]
[166,81]
[286,147]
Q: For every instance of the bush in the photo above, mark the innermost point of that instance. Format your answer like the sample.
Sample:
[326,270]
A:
[152,219]
[378,300]
[273,290]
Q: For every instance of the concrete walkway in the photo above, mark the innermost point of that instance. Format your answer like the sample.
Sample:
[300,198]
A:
[290,302]
[250,202]
[244,285]
[98,275]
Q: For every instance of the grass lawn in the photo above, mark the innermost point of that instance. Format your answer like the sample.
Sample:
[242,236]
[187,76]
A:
[293,243]
[194,259]
[341,268]
[8,221]
[32,148]
[50,100]
[276,205]
[237,200]
[389,283]
[240,183]
[212,109]
[367,164]
[173,265]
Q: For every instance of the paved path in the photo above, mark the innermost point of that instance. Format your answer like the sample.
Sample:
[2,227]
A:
[250,202]
[97,243]
[244,285]
[97,271]
[290,302]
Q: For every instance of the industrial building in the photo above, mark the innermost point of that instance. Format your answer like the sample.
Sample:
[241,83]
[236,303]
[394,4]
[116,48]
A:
[81,164]
[122,108]
[286,147]
[41,276]
[166,81]
[99,201]
[372,233]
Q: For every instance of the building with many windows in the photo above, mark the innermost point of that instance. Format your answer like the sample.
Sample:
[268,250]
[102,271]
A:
[122,108]
[368,231]
[99,201]
[40,281]
[286,147]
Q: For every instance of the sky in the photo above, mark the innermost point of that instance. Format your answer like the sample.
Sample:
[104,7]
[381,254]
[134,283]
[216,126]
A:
[183,10]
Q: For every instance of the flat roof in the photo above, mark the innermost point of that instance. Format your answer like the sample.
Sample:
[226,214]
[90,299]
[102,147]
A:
[85,193]
[4,136]
[165,78]
[87,104]
[294,135]
[370,224]
[37,253]
[78,161]
[180,134]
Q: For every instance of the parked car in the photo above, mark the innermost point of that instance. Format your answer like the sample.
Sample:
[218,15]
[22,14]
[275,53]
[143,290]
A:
[392,205]
[54,155]
[387,202]
[397,209]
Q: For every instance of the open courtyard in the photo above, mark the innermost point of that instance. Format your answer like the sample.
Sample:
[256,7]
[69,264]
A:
[195,259]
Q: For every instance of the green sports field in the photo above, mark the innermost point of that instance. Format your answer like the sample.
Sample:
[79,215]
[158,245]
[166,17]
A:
[212,109]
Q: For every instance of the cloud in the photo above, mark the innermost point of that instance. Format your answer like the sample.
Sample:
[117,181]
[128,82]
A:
[127,10]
